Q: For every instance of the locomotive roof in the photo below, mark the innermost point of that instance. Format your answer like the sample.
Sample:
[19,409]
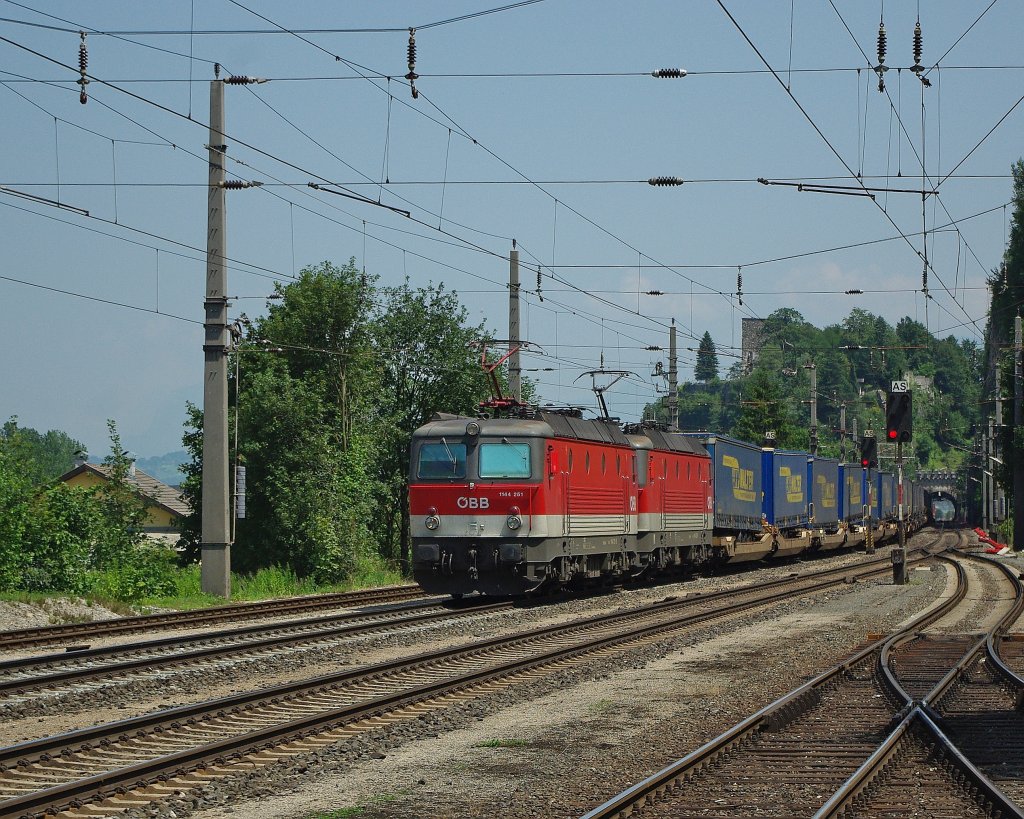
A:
[672,442]
[545,425]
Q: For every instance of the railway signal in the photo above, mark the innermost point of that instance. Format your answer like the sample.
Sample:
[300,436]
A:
[899,420]
[869,452]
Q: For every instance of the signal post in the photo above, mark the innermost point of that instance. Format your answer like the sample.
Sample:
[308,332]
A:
[868,459]
[899,421]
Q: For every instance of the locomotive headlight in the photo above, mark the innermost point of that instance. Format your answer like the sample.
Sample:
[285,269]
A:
[432,521]
[513,521]
[472,428]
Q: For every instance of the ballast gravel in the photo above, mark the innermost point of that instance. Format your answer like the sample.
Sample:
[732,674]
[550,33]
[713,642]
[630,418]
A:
[563,744]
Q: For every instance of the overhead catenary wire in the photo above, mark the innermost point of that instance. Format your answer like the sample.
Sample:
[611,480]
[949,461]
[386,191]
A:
[556,182]
[920,160]
[838,155]
[450,123]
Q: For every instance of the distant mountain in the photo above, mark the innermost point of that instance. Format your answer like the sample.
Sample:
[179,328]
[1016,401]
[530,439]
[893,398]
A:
[165,467]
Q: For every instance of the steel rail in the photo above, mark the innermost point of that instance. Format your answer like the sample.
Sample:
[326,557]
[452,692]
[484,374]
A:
[21,685]
[780,712]
[20,638]
[923,715]
[51,747]
[303,631]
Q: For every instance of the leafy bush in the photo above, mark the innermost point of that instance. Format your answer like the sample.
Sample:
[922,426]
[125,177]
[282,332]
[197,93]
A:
[149,573]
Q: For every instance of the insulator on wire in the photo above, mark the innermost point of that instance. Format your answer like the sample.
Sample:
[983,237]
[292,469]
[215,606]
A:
[239,79]
[664,181]
[540,296]
[739,285]
[669,73]
[881,68]
[412,76]
[238,184]
[918,48]
[83,66]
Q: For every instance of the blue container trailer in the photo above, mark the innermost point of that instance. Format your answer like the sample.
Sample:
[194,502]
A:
[851,493]
[737,482]
[784,478]
[823,480]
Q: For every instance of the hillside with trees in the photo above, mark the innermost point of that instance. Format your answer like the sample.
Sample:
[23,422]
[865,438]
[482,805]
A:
[854,362]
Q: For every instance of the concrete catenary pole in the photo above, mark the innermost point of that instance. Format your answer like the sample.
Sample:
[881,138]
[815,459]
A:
[814,406]
[984,479]
[673,379]
[215,572]
[1018,421]
[992,484]
[515,373]
[842,432]
[998,503]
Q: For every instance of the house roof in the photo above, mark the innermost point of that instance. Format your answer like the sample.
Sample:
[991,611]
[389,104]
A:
[150,488]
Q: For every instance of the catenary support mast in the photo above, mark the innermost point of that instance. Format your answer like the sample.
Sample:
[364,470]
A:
[216,538]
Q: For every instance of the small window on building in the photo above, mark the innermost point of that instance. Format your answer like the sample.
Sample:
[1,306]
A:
[604,464]
[586,462]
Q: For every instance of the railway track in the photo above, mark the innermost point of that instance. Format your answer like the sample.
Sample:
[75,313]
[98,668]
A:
[134,761]
[96,629]
[27,680]
[862,739]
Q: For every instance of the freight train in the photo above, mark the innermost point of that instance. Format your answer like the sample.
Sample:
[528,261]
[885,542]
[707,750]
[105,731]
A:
[548,499]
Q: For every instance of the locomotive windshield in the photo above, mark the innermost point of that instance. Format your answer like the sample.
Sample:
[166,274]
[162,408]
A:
[504,460]
[442,460]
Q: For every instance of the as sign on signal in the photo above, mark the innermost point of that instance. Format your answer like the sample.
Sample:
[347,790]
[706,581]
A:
[899,386]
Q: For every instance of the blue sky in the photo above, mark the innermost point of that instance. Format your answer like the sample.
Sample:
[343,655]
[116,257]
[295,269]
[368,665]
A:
[555,164]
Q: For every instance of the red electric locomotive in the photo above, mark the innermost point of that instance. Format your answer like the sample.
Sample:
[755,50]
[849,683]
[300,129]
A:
[676,500]
[506,505]
[503,505]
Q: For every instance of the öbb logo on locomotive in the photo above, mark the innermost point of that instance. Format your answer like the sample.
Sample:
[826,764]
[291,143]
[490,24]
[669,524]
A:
[464,502]
[573,501]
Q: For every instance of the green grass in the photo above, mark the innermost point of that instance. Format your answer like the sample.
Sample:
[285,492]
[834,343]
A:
[264,584]
[187,594]
[502,743]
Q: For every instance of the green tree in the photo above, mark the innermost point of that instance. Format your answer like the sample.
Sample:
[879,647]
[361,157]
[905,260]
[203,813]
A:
[424,351]
[707,360]
[50,454]
[767,408]
[122,509]
[16,497]
[1007,288]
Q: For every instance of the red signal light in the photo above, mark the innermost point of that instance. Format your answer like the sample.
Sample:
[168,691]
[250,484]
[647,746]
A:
[864,463]
[892,434]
